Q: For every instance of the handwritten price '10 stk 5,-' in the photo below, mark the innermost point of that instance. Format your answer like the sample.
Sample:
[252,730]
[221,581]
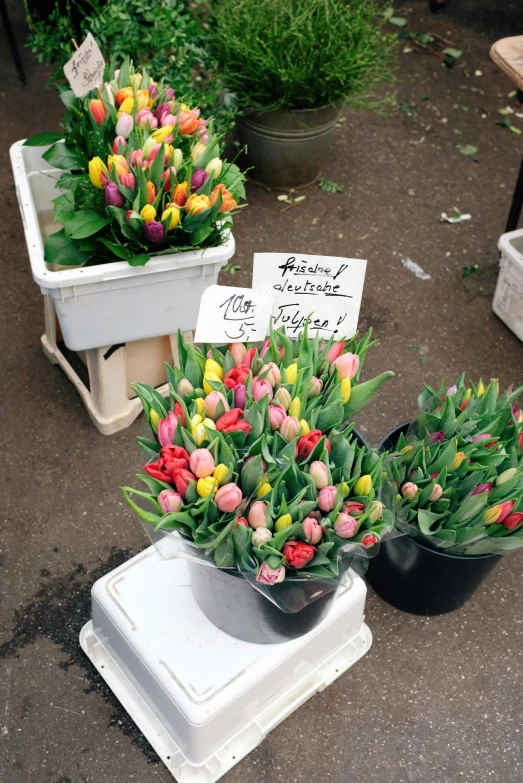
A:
[230,314]
[327,288]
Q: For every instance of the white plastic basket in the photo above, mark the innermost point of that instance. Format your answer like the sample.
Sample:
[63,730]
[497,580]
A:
[202,698]
[508,297]
[110,303]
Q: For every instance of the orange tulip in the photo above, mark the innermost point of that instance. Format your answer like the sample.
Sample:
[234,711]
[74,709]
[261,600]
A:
[121,95]
[180,194]
[187,122]
[120,162]
[228,203]
[151,190]
[98,110]
[197,204]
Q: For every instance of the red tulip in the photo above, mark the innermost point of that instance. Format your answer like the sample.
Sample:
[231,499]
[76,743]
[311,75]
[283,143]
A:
[369,540]
[171,458]
[306,444]
[513,520]
[353,508]
[249,356]
[232,421]
[298,554]
[98,110]
[237,375]
[179,413]
[182,479]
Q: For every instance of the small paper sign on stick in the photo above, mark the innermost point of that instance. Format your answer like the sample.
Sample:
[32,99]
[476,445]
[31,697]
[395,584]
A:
[327,288]
[85,69]
[229,314]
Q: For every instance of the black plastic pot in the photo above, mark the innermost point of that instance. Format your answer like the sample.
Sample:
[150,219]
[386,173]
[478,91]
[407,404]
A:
[231,602]
[419,579]
[286,148]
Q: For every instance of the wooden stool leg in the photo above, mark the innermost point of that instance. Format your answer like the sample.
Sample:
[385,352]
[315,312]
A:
[517,203]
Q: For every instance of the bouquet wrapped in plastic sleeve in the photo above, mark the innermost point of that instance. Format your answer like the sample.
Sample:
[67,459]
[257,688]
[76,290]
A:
[256,470]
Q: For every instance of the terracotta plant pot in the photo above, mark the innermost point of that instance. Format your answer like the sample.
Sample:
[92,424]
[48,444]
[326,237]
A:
[286,148]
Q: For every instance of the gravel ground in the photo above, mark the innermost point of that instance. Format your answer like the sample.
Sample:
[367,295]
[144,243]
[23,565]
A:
[435,699]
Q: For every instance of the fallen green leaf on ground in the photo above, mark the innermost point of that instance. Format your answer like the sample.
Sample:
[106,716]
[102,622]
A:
[467,149]
[422,351]
[469,270]
[231,269]
[330,187]
[507,124]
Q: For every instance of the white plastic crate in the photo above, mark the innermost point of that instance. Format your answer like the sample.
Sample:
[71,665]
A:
[110,303]
[508,297]
[202,698]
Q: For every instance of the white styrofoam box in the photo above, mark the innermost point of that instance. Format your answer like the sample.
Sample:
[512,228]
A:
[202,698]
[508,297]
[109,303]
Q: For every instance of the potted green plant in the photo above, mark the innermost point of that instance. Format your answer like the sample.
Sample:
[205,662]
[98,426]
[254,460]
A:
[457,474]
[291,66]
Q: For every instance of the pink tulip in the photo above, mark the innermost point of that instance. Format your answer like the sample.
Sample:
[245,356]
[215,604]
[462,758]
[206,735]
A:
[316,388]
[313,530]
[128,181]
[345,525]
[228,498]
[238,351]
[319,474]
[409,490]
[289,428]
[261,389]
[144,117]
[211,403]
[240,396]
[119,143]
[276,416]
[486,487]
[202,464]
[271,373]
[257,514]
[170,501]
[124,126]
[353,507]
[436,437]
[113,197]
[437,492]
[376,510]
[167,429]
[270,576]
[185,387]
[327,498]
[168,119]
[333,352]
[347,365]
[137,158]
[477,438]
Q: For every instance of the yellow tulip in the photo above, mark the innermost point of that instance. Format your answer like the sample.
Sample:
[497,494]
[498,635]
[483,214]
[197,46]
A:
[200,405]
[148,213]
[282,522]
[304,427]
[458,459]
[212,366]
[345,390]
[160,134]
[295,407]
[205,486]
[135,79]
[154,418]
[291,372]
[198,150]
[490,515]
[221,473]
[344,489]
[195,420]
[363,486]
[144,99]
[96,166]
[213,378]
[264,489]
[468,393]
[209,424]
[126,107]
[480,390]
[199,434]
[173,213]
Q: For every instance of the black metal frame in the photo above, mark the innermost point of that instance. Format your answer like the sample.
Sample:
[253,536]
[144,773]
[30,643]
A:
[15,52]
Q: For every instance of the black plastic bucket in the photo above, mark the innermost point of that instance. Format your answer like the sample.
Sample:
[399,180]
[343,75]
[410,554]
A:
[422,580]
[236,607]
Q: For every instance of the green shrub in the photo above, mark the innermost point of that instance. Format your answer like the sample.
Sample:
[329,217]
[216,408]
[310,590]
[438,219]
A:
[170,37]
[299,54]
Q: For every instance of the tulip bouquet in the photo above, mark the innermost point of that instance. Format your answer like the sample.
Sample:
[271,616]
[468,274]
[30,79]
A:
[256,465]
[459,471]
[144,175]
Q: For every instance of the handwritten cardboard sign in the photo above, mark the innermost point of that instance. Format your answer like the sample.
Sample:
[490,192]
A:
[85,69]
[326,287]
[229,314]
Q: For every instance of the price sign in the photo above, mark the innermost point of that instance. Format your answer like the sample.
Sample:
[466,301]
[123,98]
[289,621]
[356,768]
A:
[85,69]
[229,314]
[326,288]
